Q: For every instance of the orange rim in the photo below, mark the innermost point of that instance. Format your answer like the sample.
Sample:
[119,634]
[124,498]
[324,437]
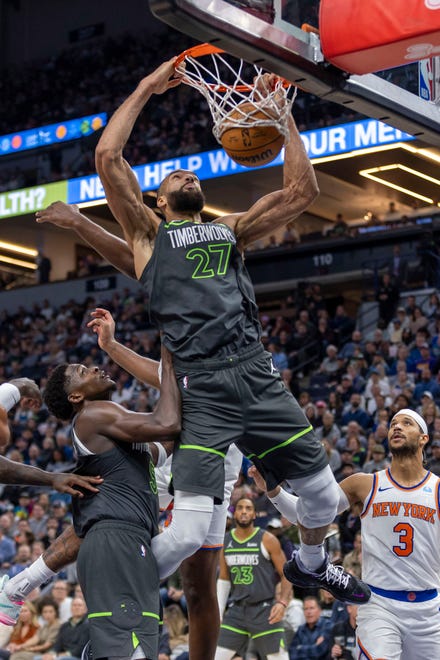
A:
[197,51]
[210,49]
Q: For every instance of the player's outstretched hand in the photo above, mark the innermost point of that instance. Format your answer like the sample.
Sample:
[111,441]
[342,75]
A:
[103,325]
[164,77]
[59,214]
[70,483]
[30,395]
[257,477]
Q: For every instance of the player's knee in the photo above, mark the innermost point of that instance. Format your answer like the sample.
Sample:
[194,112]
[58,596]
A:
[318,499]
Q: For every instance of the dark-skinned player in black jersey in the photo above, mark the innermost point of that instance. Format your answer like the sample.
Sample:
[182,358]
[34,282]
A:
[202,300]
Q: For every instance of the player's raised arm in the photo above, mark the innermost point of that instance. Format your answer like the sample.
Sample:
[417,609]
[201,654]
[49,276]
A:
[276,209]
[123,193]
[112,248]
[143,369]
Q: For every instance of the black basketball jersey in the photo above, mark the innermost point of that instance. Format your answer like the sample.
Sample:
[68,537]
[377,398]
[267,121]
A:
[127,493]
[200,293]
[252,575]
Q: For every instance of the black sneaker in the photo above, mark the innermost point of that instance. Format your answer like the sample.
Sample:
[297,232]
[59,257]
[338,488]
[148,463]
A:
[344,586]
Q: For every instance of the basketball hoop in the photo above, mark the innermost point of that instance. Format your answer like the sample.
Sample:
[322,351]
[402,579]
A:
[205,67]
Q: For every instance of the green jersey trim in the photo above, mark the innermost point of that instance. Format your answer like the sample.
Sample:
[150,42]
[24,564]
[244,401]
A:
[236,630]
[206,449]
[282,444]
[267,632]
[256,530]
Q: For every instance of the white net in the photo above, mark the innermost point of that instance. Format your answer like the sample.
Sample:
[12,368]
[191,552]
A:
[245,85]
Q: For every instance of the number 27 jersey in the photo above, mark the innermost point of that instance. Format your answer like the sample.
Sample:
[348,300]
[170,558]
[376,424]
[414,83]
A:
[401,534]
[201,296]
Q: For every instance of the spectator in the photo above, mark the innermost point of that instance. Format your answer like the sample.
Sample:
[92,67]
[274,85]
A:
[387,295]
[355,412]
[349,525]
[395,330]
[279,357]
[44,266]
[72,636]
[433,462]
[173,644]
[329,430]
[7,550]
[22,559]
[334,457]
[343,636]
[172,592]
[60,595]
[342,324]
[398,268]
[339,229]
[331,609]
[426,384]
[46,634]
[352,561]
[350,348]
[312,638]
[378,461]
[417,320]
[38,520]
[24,631]
[330,365]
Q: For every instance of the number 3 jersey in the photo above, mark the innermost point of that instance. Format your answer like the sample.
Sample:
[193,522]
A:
[401,534]
[251,571]
[200,293]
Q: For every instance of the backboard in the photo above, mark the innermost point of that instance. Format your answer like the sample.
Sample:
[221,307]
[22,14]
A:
[268,33]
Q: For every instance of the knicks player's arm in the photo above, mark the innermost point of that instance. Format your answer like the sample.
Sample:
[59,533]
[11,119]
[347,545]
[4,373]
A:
[223,584]
[357,487]
[124,196]
[112,248]
[143,369]
[278,559]
[275,210]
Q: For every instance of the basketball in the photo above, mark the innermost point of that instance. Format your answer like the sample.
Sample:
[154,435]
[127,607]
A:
[251,145]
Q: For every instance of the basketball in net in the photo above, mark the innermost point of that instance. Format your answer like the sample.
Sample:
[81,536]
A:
[250,120]
[251,144]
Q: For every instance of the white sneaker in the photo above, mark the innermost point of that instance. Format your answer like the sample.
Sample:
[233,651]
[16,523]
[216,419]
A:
[9,609]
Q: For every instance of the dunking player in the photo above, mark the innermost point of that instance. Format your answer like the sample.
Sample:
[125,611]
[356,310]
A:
[248,565]
[116,569]
[198,572]
[202,299]
[400,546]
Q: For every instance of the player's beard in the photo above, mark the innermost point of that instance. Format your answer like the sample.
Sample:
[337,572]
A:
[186,201]
[409,450]
[243,525]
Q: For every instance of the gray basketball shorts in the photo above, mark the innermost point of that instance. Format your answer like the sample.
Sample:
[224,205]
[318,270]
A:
[242,623]
[120,581]
[240,399]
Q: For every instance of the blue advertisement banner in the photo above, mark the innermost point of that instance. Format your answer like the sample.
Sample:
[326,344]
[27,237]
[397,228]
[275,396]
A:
[44,136]
[323,142]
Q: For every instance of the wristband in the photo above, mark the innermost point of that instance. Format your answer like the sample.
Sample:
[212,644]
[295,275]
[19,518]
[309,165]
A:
[9,396]
[162,454]
[281,603]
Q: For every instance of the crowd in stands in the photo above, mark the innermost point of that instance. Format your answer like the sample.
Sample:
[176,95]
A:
[348,383]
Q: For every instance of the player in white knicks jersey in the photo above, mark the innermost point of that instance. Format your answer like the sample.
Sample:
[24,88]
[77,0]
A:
[400,546]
